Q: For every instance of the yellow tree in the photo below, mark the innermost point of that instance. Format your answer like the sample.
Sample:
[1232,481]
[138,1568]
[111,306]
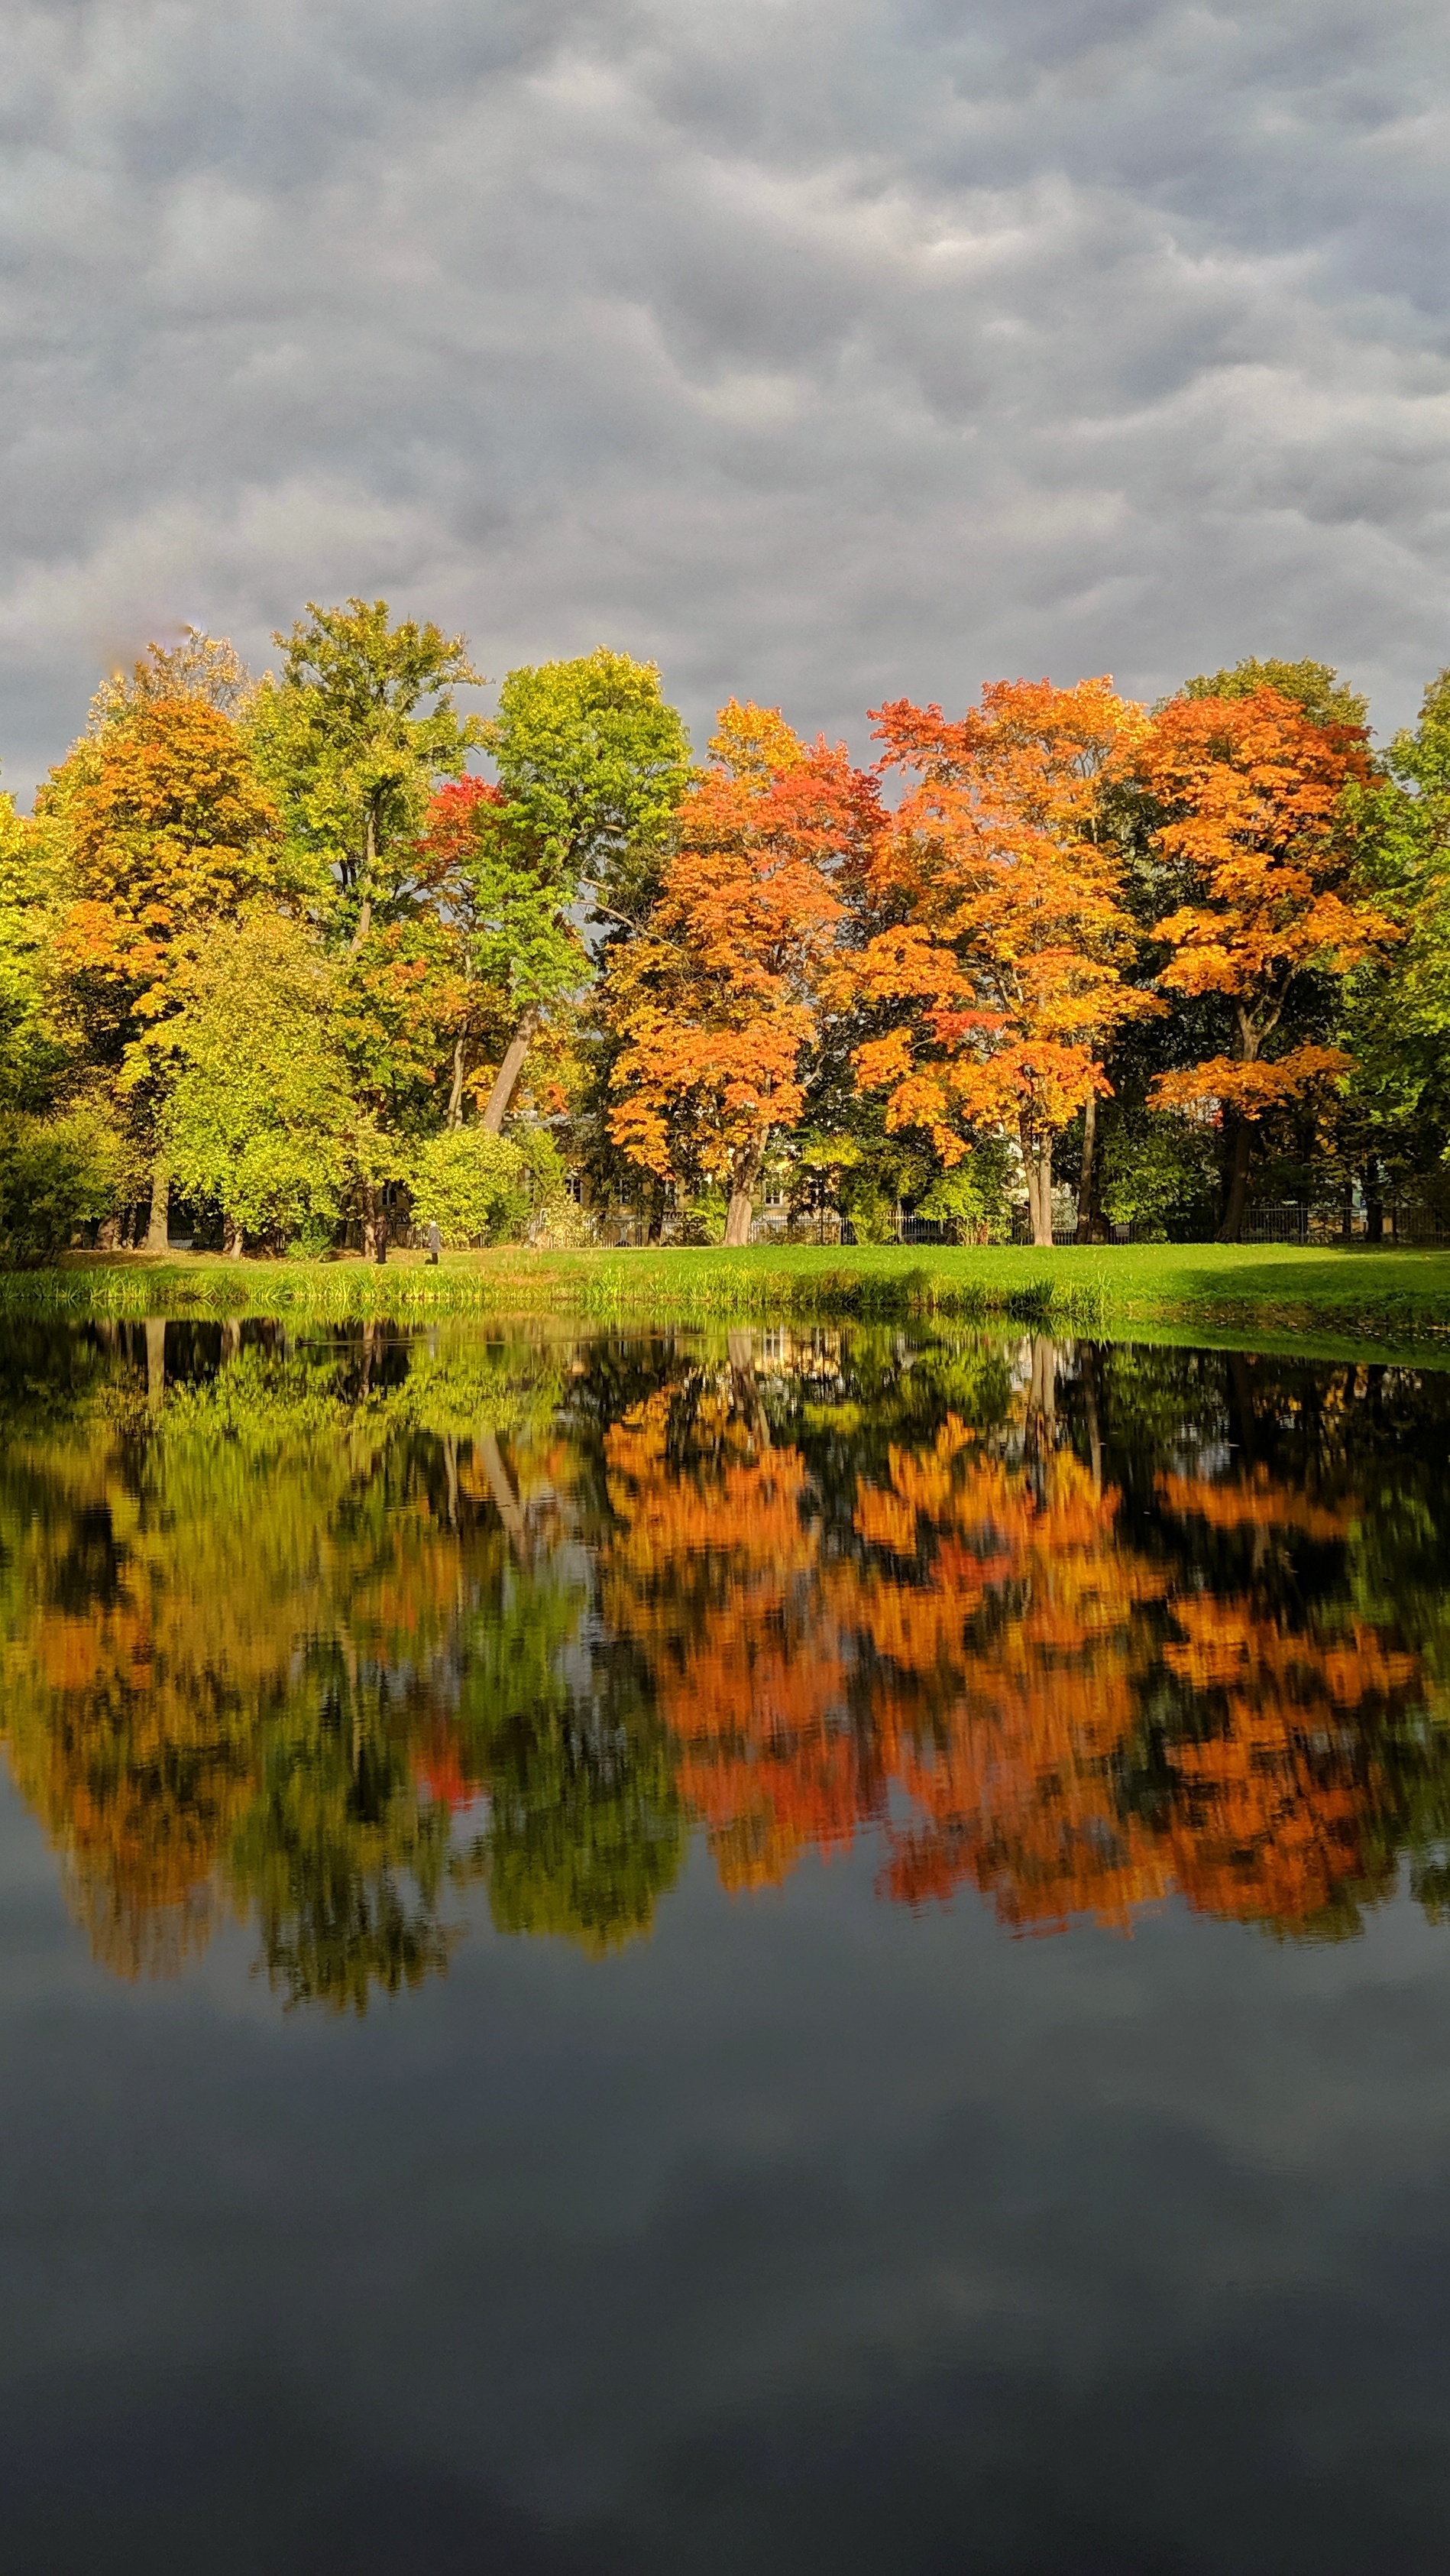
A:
[1002,943]
[168,832]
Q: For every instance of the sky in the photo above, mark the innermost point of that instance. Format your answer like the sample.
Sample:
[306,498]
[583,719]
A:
[820,350]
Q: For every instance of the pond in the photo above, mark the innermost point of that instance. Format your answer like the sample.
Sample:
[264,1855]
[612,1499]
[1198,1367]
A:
[655,1953]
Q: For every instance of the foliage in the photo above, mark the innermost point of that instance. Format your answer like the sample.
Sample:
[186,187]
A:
[200,666]
[352,738]
[592,762]
[717,997]
[481,1188]
[972,1198]
[259,1115]
[167,831]
[1159,1174]
[1002,942]
[57,1174]
[33,1056]
[1062,923]
[1315,687]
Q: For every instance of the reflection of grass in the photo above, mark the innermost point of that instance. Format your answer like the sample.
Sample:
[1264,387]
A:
[1277,1291]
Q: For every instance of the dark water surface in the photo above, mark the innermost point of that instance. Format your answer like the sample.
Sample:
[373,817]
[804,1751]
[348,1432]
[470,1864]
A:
[647,1954]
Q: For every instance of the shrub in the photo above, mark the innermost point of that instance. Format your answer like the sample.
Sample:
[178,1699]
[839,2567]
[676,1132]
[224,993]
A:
[481,1188]
[1160,1173]
[56,1175]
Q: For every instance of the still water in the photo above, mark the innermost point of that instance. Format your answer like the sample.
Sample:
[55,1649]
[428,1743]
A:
[655,1954]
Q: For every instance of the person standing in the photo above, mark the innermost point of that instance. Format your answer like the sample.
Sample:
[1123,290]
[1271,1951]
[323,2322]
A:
[435,1243]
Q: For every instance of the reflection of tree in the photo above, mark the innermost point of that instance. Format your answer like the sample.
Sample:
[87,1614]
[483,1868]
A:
[714,1574]
[1011,1659]
[321,1635]
[266,1623]
[1073,1707]
[1277,1774]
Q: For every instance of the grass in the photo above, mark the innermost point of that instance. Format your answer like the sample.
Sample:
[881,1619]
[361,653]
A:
[1278,1295]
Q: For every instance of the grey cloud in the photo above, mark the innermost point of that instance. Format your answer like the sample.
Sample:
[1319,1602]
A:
[818,349]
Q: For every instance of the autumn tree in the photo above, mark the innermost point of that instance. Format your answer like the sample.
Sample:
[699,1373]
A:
[1250,791]
[718,998]
[168,831]
[197,665]
[999,947]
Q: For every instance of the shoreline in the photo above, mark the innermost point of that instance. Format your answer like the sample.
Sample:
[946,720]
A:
[1275,1295]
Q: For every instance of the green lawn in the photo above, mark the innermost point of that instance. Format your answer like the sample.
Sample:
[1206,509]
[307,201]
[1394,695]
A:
[1275,1293]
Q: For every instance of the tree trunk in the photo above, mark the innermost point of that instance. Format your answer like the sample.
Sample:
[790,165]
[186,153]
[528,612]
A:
[365,916]
[742,1195]
[156,1231]
[368,1204]
[108,1234]
[1040,1427]
[1374,1205]
[740,1347]
[455,1096]
[506,1501]
[1087,1184]
[1089,1374]
[1231,1230]
[507,1075]
[233,1239]
[1037,1162]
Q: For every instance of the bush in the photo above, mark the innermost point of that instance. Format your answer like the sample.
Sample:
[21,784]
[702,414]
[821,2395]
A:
[1160,1174]
[57,1174]
[971,1199]
[480,1188]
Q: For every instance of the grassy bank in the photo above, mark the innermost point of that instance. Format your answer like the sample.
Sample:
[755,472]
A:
[1278,1292]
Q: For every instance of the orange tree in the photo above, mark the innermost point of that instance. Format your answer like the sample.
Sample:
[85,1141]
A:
[998,951]
[717,999]
[168,832]
[1254,826]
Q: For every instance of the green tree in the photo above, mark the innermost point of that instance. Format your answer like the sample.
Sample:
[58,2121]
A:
[592,762]
[353,738]
[1314,686]
[1394,1124]
[260,1114]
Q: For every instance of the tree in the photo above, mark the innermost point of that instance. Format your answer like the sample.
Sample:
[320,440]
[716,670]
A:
[202,666]
[168,832]
[592,762]
[353,739]
[517,949]
[259,1113]
[33,1055]
[1396,1109]
[717,998]
[1251,795]
[999,953]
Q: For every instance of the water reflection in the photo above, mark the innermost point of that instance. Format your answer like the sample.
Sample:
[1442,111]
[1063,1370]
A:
[324,1633]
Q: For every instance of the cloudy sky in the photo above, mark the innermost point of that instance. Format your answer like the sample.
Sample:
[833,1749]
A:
[821,349]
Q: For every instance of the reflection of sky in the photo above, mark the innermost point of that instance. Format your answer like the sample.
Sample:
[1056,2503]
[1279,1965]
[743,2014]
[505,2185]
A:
[824,352]
[816,2234]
